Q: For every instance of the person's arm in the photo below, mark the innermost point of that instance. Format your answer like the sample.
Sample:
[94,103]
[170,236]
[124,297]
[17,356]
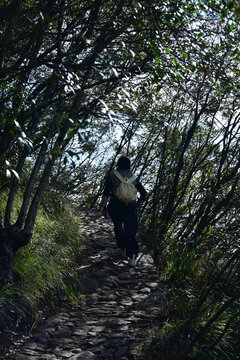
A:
[104,201]
[104,206]
[106,193]
[142,192]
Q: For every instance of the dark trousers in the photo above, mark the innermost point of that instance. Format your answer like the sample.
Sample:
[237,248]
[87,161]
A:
[125,220]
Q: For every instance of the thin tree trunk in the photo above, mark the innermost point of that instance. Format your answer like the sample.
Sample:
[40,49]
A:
[5,141]
[32,212]
[13,190]
[28,191]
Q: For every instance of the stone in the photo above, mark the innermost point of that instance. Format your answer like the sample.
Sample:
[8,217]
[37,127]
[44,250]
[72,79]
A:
[106,353]
[63,352]
[123,328]
[84,355]
[36,346]
[126,302]
[116,322]
[26,357]
[153,284]
[116,315]
[42,337]
[140,297]
[60,341]
[121,352]
[88,285]
[97,341]
[98,329]
[145,290]
[49,357]
[80,332]
[62,333]
[75,316]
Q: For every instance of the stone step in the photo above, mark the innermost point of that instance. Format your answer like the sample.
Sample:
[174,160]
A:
[117,313]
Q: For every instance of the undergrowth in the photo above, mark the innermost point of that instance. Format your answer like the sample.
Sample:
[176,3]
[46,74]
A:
[45,271]
[202,317]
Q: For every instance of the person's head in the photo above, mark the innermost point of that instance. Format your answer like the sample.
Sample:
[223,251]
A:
[123,163]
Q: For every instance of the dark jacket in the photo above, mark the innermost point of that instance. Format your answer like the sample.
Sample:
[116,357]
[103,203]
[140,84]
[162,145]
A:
[113,182]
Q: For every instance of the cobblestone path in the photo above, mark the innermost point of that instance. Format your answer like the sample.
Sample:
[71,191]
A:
[118,311]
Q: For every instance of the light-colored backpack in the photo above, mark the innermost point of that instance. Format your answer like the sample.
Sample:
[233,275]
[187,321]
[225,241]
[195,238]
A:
[126,191]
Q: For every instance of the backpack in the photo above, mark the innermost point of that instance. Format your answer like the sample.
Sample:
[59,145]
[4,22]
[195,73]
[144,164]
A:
[126,191]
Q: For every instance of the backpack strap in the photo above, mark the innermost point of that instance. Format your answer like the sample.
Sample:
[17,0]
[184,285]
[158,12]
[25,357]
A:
[119,176]
[132,179]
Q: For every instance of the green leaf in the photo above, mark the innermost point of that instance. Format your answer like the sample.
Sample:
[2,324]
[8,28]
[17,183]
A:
[48,18]
[20,140]
[17,124]
[115,107]
[115,71]
[224,13]
[15,174]
[71,153]
[57,152]
[104,104]
[8,173]
[231,4]
[126,93]
[132,53]
[70,133]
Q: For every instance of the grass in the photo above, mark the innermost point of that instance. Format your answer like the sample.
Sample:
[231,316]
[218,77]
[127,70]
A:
[45,271]
[45,264]
[202,316]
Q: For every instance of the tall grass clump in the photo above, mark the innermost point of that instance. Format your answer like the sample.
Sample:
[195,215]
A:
[48,262]
[203,314]
[45,271]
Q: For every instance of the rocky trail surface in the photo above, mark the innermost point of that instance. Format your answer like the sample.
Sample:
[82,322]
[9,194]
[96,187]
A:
[117,314]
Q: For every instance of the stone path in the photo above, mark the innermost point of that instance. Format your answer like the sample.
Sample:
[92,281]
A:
[116,317]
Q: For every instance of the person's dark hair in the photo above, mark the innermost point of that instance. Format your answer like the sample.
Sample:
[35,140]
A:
[123,163]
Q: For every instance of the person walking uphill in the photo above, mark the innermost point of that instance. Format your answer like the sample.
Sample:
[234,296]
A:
[121,186]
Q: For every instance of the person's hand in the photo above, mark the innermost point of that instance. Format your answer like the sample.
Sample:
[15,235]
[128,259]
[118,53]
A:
[105,212]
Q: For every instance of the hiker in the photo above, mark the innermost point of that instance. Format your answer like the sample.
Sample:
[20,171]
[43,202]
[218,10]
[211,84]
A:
[123,210]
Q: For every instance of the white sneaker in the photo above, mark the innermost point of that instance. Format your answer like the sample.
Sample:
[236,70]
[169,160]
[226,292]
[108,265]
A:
[132,261]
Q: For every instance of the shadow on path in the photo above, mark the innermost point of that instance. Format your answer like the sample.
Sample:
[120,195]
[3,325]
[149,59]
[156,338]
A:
[118,312]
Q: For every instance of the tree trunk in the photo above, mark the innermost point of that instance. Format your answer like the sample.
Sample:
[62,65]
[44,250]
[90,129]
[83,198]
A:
[6,259]
[32,212]
[29,187]
[10,242]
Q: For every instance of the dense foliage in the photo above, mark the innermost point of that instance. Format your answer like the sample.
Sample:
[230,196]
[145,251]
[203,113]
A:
[81,83]
[46,273]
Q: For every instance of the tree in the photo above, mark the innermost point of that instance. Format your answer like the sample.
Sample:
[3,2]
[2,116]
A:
[187,134]
[60,63]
